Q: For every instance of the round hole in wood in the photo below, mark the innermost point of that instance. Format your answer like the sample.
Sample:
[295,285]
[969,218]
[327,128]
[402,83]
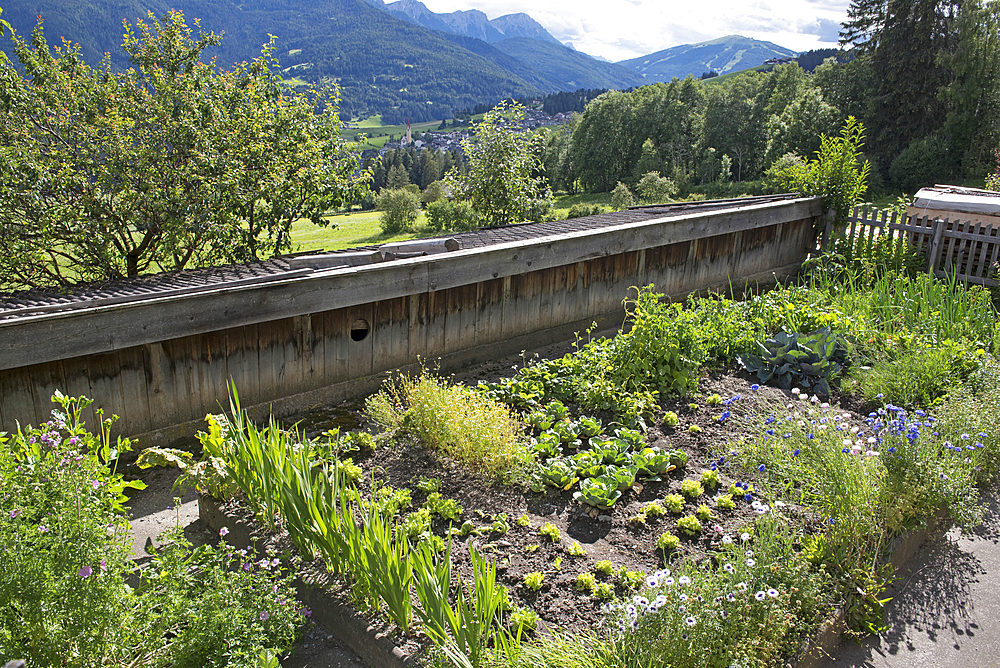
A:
[359,330]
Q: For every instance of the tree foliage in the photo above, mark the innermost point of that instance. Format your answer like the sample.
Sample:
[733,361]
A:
[504,182]
[107,173]
[399,208]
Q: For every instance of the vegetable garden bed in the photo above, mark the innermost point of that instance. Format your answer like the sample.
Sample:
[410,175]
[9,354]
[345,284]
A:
[641,500]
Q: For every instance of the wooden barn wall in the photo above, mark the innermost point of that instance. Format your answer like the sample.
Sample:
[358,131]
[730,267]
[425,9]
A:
[165,383]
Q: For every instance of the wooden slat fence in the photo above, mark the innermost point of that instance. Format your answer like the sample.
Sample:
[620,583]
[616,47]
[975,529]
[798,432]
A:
[964,249]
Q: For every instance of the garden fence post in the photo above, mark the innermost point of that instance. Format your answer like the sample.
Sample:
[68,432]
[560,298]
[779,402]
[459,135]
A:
[934,255]
[827,229]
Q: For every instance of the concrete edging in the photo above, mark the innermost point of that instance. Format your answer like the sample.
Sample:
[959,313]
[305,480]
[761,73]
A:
[831,632]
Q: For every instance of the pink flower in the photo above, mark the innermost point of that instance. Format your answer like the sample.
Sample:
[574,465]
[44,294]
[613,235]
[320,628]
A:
[306,611]
[104,565]
[42,528]
[264,615]
[85,572]
[95,483]
[223,531]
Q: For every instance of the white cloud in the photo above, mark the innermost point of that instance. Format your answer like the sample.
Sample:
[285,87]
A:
[622,29]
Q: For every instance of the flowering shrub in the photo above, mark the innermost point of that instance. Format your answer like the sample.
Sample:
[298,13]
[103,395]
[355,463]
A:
[65,565]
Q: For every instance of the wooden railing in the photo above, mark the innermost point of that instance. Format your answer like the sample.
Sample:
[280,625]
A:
[964,249]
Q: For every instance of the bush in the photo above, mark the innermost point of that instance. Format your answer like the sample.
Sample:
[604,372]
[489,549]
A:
[399,208]
[621,197]
[444,214]
[433,192]
[923,163]
[581,210]
[993,180]
[462,423]
[837,174]
[66,559]
[656,189]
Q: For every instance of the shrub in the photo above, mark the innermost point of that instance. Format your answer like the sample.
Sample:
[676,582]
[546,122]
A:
[71,596]
[655,188]
[462,423]
[993,180]
[621,197]
[582,210]
[399,208]
[919,377]
[446,215]
[433,192]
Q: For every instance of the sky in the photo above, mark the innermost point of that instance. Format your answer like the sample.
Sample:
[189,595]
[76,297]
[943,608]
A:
[621,29]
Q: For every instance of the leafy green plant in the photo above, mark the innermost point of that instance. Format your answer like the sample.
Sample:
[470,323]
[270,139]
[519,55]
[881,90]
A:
[416,524]
[808,360]
[678,458]
[631,580]
[703,512]
[624,476]
[673,503]
[604,591]
[557,473]
[448,509]
[725,501]
[601,492]
[590,427]
[670,419]
[551,531]
[667,541]
[651,463]
[523,521]
[710,478]
[713,400]
[689,525]
[585,582]
[576,550]
[524,620]
[604,567]
[653,509]
[428,485]
[692,489]
[500,524]
[534,581]
[695,429]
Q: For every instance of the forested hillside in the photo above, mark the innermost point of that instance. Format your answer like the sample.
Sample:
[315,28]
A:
[725,54]
[383,65]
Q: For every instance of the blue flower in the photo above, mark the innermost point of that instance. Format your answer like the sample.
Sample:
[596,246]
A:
[892,449]
[769,432]
[810,436]
[788,435]
[755,387]
[748,497]
[761,468]
[845,451]
[797,451]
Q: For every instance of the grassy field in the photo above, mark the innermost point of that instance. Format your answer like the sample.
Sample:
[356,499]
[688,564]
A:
[361,228]
[378,134]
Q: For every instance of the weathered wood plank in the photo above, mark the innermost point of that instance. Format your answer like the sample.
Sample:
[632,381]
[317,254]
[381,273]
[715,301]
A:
[336,345]
[45,380]
[17,397]
[390,334]
[76,376]
[243,362]
[360,345]
[417,326]
[108,393]
[489,328]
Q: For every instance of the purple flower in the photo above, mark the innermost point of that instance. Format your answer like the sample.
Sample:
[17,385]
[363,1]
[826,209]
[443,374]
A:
[42,528]
[305,611]
[13,513]
[95,483]
[104,565]
[223,531]
[85,572]
[264,615]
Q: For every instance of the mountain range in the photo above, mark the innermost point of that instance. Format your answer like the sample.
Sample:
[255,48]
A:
[398,59]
